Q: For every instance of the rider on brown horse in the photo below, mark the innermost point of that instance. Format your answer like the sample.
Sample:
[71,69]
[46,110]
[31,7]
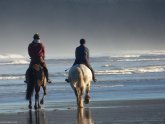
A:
[36,52]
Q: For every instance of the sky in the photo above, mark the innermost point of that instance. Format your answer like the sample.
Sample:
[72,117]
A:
[109,26]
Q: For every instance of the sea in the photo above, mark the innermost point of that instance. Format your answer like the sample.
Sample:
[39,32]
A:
[130,76]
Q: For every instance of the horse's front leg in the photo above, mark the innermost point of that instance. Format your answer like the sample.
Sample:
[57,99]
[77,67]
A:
[30,103]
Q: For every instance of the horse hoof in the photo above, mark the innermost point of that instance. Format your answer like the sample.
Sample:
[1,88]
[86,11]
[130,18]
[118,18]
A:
[86,101]
[87,98]
[39,107]
[30,107]
[81,106]
[42,102]
[35,107]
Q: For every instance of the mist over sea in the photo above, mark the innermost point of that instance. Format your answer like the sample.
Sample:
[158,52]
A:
[124,77]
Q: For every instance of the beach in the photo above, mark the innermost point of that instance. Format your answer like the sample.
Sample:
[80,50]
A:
[151,111]
[129,89]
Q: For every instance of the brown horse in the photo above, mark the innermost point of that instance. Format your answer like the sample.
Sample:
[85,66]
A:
[37,79]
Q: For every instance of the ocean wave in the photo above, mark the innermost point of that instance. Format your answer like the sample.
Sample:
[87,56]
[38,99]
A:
[109,86]
[142,59]
[106,72]
[11,77]
[130,56]
[13,59]
[11,56]
[21,61]
[147,69]
[107,65]
[22,76]
[143,53]
[150,69]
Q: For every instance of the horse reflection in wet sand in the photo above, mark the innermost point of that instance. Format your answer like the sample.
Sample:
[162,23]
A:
[37,117]
[80,77]
[37,79]
[84,116]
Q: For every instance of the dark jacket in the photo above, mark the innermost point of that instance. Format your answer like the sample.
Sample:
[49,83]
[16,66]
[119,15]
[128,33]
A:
[82,55]
[36,50]
[37,53]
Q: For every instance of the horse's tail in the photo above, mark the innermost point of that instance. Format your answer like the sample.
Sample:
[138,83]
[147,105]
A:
[81,79]
[29,90]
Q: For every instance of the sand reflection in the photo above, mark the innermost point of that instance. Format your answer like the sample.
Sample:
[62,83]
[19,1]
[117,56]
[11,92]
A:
[84,116]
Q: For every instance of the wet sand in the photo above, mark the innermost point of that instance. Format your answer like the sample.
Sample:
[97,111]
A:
[103,112]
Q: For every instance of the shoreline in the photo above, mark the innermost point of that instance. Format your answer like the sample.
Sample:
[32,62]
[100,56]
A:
[120,111]
[71,105]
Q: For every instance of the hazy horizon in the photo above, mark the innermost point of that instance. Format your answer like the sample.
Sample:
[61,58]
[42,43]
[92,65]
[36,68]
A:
[109,26]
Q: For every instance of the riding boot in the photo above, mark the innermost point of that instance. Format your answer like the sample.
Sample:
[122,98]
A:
[47,75]
[93,75]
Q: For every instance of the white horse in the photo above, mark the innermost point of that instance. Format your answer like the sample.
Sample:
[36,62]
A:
[80,77]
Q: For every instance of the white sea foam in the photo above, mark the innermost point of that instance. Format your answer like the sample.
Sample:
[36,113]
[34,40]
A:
[127,56]
[106,65]
[137,54]
[13,59]
[131,56]
[21,61]
[147,69]
[11,56]
[140,59]
[150,69]
[109,86]
[105,72]
[11,77]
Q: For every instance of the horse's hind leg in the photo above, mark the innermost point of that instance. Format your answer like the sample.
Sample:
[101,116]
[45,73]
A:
[78,97]
[42,100]
[87,97]
[30,104]
[76,94]
[37,103]
[80,93]
[81,97]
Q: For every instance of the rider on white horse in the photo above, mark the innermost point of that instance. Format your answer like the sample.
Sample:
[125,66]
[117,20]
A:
[82,57]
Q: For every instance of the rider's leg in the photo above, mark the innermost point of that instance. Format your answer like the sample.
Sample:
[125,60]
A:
[93,73]
[43,64]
